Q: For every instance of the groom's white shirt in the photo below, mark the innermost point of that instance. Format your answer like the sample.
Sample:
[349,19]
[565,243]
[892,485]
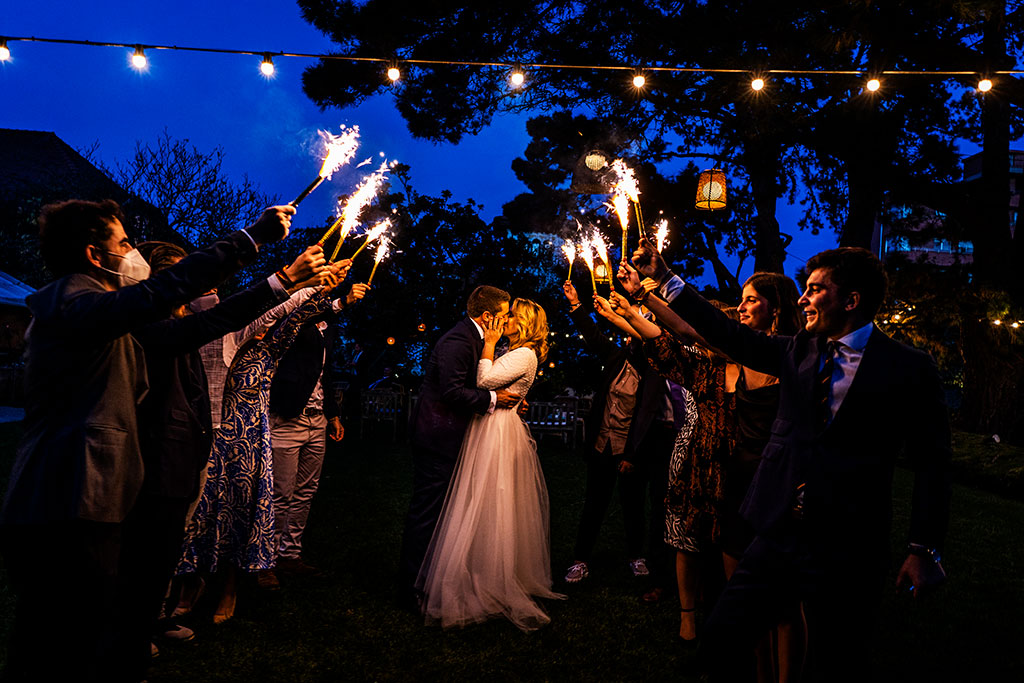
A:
[494,395]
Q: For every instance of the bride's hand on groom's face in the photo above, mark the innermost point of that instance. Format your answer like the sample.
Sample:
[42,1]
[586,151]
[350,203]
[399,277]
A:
[493,329]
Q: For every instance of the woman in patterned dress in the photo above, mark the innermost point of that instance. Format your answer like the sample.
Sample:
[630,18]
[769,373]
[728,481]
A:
[232,527]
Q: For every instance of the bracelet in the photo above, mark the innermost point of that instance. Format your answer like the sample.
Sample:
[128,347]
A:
[573,307]
[285,280]
[642,299]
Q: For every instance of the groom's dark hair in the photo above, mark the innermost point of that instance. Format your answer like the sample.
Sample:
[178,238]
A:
[486,298]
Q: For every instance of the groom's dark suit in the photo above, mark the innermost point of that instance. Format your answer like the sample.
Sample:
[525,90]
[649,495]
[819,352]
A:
[448,399]
[835,557]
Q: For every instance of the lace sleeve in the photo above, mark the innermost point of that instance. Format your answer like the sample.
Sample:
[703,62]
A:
[505,371]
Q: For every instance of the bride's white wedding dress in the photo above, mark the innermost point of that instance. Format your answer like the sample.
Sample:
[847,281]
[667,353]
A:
[490,553]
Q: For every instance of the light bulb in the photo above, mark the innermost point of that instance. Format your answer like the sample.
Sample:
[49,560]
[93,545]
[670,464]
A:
[394,74]
[873,85]
[139,60]
[639,81]
[517,79]
[267,66]
[984,85]
[5,52]
[757,84]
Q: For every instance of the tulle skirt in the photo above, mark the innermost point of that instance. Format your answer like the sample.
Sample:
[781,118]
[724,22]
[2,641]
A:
[490,553]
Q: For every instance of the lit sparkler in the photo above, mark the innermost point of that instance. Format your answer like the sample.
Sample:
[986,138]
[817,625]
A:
[588,257]
[381,253]
[354,205]
[601,249]
[372,234]
[569,249]
[340,150]
[662,234]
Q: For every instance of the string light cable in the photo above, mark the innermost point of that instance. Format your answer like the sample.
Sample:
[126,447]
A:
[518,67]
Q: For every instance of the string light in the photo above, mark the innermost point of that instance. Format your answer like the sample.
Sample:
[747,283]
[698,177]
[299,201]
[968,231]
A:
[517,78]
[267,66]
[873,85]
[5,53]
[757,84]
[639,81]
[139,60]
[394,74]
[984,85]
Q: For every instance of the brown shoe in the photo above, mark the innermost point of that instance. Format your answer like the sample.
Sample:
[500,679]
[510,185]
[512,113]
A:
[267,580]
[296,567]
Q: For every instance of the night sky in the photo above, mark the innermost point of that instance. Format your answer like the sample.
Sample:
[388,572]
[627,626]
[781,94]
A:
[267,127]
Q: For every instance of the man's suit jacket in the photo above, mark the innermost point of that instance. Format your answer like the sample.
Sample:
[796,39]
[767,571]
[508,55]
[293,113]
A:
[298,371]
[650,393]
[84,377]
[894,404]
[449,396]
[175,427]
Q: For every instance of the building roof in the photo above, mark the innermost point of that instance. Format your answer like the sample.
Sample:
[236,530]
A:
[13,291]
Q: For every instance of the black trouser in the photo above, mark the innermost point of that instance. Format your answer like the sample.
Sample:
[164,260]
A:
[651,471]
[840,598]
[150,549]
[432,472]
[65,576]
[602,473]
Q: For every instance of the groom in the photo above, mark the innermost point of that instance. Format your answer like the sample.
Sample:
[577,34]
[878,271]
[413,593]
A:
[448,400]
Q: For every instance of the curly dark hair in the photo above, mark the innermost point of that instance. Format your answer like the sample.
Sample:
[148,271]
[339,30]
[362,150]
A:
[854,269]
[67,228]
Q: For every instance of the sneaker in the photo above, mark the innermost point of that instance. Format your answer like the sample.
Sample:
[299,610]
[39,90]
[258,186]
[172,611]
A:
[176,632]
[639,567]
[577,572]
[294,566]
[267,580]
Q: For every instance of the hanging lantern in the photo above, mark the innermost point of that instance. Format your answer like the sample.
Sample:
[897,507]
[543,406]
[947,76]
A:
[711,190]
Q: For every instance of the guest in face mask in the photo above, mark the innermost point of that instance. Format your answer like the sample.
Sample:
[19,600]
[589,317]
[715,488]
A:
[78,469]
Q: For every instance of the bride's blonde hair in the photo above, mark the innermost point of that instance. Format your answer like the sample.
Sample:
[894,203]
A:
[533,327]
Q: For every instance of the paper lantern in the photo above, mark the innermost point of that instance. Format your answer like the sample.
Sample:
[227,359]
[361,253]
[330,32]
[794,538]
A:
[711,190]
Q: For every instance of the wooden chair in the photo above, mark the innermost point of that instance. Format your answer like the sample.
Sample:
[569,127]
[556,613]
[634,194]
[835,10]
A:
[381,406]
[556,417]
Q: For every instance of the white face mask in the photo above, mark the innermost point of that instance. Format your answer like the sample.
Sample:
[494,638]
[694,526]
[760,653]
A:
[131,270]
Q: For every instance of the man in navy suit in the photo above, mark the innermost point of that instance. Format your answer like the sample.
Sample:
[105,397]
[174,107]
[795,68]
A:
[447,402]
[852,399]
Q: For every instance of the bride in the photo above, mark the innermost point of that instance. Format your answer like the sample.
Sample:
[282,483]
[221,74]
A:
[489,555]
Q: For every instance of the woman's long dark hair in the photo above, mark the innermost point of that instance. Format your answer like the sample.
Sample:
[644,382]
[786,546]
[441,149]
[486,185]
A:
[781,294]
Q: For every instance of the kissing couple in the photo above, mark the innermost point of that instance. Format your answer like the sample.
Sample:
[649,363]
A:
[476,543]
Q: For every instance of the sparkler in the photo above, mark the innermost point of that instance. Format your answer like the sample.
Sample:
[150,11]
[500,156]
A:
[372,234]
[569,249]
[383,248]
[662,234]
[588,257]
[354,205]
[625,191]
[340,150]
[601,249]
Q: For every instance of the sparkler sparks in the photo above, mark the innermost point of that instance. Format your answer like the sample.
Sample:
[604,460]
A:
[374,233]
[355,204]
[569,249]
[381,253]
[340,150]
[662,234]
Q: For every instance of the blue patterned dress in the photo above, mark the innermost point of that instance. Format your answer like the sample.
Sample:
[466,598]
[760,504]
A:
[234,520]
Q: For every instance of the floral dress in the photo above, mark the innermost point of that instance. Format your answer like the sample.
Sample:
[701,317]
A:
[234,520]
[696,486]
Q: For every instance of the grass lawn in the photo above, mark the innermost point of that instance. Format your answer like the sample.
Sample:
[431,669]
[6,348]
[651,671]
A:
[347,627]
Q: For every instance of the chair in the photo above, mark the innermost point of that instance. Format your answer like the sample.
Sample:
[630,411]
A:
[556,417]
[382,405]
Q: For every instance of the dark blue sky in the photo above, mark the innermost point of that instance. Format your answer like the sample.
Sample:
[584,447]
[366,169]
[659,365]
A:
[266,127]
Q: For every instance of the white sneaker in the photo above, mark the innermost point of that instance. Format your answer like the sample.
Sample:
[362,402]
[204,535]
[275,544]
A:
[577,572]
[639,567]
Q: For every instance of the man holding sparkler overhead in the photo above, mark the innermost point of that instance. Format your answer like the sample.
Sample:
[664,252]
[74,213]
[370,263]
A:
[78,468]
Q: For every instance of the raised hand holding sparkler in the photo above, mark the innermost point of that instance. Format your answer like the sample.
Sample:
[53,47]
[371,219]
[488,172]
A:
[340,150]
